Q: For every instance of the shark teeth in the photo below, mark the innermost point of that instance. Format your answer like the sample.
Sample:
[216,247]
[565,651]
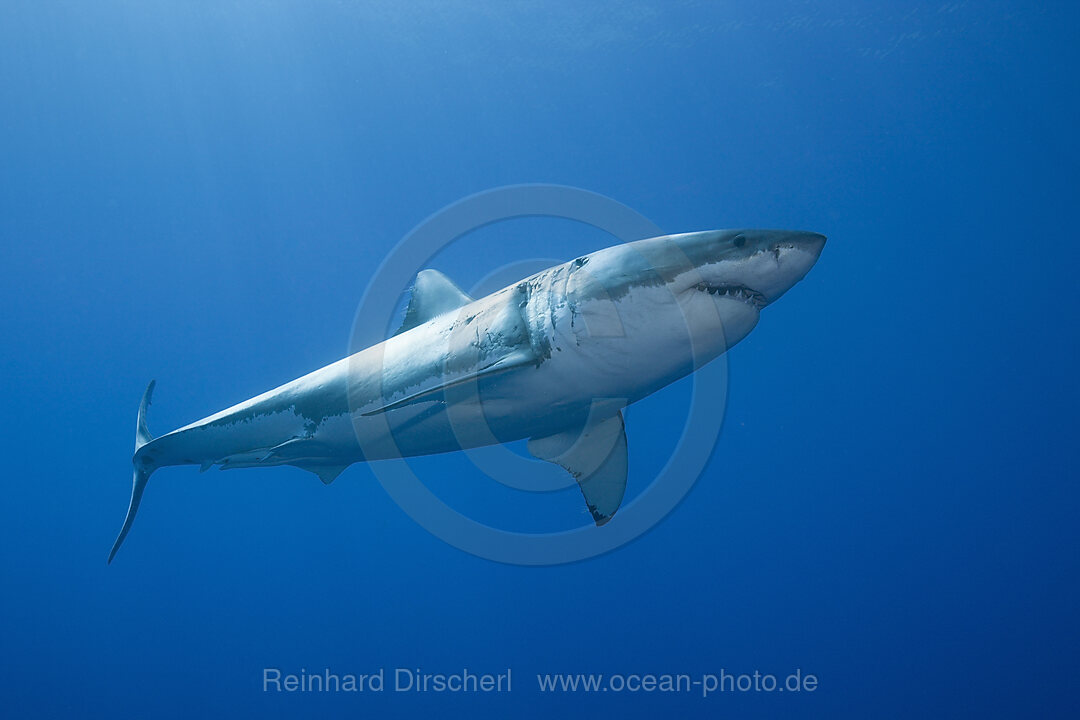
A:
[736,292]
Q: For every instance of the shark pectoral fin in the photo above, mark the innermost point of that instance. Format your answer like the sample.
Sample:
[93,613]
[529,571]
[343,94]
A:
[432,295]
[326,473]
[516,359]
[596,457]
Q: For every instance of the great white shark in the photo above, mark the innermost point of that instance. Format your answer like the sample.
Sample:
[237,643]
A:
[552,358]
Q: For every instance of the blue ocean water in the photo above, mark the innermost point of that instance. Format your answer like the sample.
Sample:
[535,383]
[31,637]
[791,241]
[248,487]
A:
[200,193]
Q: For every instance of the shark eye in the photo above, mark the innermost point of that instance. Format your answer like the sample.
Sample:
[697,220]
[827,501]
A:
[739,240]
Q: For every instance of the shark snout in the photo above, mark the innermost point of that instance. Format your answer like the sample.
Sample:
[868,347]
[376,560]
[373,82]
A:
[811,243]
[790,255]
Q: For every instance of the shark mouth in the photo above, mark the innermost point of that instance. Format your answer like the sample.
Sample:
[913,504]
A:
[735,292]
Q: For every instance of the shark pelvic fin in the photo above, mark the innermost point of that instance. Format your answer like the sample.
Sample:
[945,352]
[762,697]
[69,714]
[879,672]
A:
[433,294]
[142,472]
[298,448]
[597,458]
[326,473]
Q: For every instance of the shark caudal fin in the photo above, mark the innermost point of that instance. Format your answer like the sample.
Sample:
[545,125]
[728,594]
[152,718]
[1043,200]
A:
[142,470]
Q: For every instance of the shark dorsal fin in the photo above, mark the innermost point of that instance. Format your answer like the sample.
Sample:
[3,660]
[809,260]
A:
[432,295]
[595,457]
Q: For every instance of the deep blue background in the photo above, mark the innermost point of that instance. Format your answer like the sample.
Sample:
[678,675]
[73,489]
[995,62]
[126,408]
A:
[200,192]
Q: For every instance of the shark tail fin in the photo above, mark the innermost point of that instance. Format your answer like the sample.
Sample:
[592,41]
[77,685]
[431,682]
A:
[143,470]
